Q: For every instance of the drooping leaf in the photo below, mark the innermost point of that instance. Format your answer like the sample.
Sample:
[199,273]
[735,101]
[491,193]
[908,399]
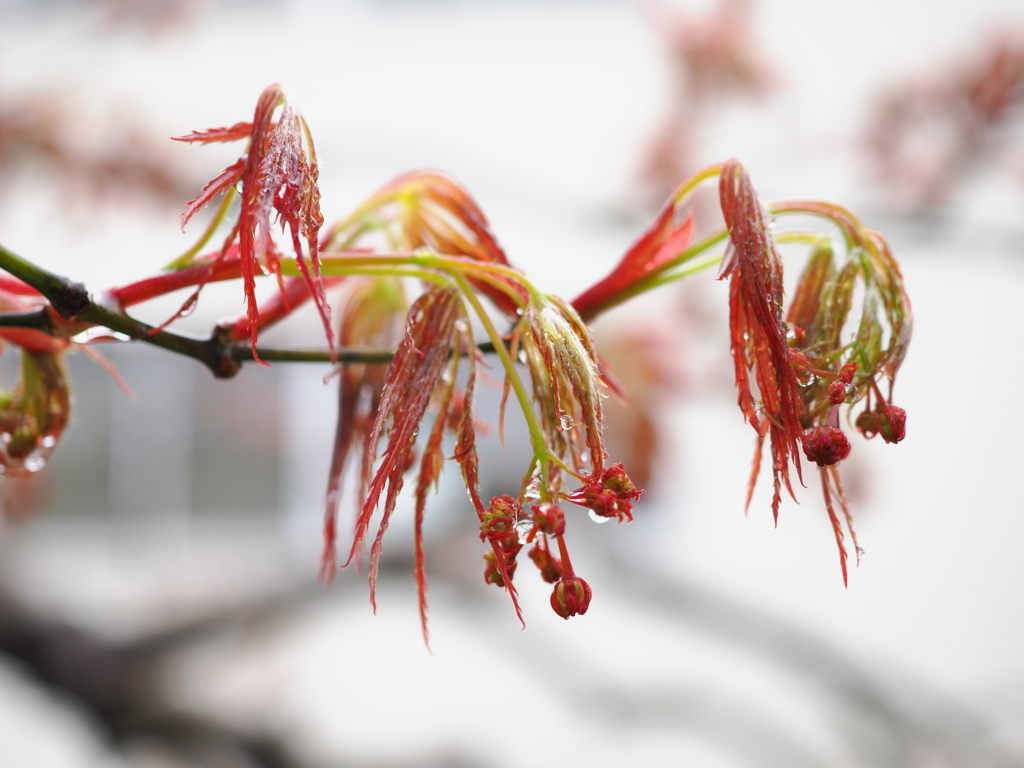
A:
[371,315]
[408,386]
[757,331]
[430,209]
[279,177]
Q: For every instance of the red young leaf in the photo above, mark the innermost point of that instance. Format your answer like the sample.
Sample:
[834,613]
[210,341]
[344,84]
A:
[371,316]
[227,179]
[664,240]
[411,378]
[431,464]
[279,174]
[758,334]
[436,212]
[233,133]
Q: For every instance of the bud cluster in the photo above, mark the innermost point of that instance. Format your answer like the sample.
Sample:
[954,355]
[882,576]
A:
[611,495]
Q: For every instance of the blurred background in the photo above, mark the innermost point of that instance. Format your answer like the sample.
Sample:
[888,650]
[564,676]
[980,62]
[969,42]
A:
[158,596]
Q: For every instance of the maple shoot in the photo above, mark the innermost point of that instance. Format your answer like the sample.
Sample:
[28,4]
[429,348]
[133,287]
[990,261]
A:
[413,289]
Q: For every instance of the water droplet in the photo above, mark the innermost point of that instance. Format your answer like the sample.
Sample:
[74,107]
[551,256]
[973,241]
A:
[48,441]
[566,422]
[35,461]
[771,221]
[860,551]
[599,519]
[523,528]
[532,490]
[462,325]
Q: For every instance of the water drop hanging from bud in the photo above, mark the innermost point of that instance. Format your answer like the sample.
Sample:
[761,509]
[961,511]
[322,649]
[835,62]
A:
[35,461]
[566,422]
[532,490]
[523,528]
[599,519]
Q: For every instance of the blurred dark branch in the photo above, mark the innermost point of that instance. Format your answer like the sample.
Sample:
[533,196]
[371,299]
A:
[118,684]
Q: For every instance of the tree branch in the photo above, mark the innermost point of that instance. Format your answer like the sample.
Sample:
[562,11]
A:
[67,298]
[220,353]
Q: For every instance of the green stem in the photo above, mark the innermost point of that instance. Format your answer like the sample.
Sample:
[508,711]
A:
[67,298]
[537,438]
[692,183]
[663,279]
[36,319]
[659,276]
[844,219]
[218,217]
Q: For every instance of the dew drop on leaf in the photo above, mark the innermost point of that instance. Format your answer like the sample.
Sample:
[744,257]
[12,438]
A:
[860,551]
[566,422]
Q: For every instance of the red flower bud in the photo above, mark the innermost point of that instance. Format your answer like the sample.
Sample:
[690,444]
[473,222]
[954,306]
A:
[801,366]
[826,445]
[837,392]
[550,567]
[615,479]
[890,421]
[571,596]
[893,423]
[610,496]
[548,518]
[499,521]
[846,373]
[492,571]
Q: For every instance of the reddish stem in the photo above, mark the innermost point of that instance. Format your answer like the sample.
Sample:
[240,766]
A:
[567,571]
[278,306]
[150,288]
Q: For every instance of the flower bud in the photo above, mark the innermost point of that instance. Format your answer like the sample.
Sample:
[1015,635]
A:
[571,596]
[492,571]
[847,372]
[826,445]
[499,521]
[610,495]
[837,392]
[801,366]
[889,421]
[548,518]
[892,423]
[550,567]
[34,414]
